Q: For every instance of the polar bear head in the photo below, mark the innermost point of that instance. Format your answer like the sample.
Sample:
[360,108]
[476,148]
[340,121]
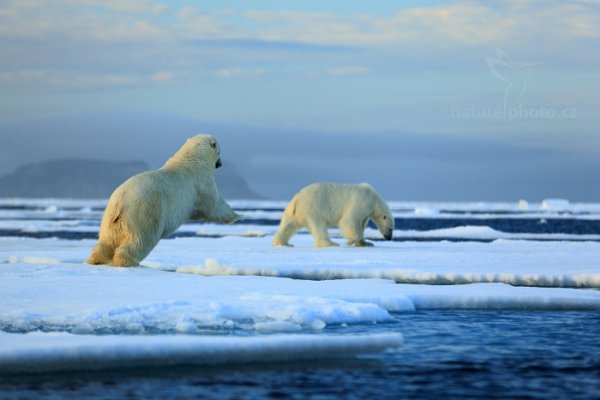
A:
[201,150]
[382,216]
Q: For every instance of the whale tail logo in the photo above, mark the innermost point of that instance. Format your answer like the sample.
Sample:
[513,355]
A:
[513,74]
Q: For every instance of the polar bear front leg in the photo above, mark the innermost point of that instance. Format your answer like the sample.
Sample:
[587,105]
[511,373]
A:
[224,213]
[319,232]
[221,212]
[353,231]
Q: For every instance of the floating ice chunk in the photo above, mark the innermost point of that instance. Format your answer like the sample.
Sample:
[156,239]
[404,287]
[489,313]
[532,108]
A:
[500,296]
[64,224]
[556,205]
[32,260]
[51,209]
[485,233]
[52,352]
[523,205]
[155,264]
[426,211]
[471,231]
[227,231]
[277,326]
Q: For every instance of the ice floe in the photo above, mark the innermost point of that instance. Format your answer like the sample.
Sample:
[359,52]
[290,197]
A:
[58,352]
[524,263]
[105,300]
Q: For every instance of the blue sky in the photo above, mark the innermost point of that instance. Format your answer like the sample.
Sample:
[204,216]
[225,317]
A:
[518,75]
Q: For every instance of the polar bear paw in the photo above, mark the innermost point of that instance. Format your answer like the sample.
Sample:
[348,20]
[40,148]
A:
[360,243]
[278,242]
[232,218]
[326,243]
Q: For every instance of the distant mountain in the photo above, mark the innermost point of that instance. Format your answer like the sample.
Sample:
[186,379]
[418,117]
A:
[232,185]
[76,178]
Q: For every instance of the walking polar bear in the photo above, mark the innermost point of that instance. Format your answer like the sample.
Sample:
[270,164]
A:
[153,204]
[323,205]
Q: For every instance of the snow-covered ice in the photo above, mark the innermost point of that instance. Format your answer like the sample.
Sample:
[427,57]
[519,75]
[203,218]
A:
[524,263]
[482,233]
[556,204]
[103,300]
[86,299]
[56,312]
[515,262]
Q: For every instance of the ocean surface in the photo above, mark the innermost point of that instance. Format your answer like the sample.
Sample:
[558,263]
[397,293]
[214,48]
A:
[503,354]
[467,354]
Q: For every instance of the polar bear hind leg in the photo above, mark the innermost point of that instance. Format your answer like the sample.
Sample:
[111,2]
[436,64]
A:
[135,241]
[126,255]
[129,254]
[287,229]
[102,254]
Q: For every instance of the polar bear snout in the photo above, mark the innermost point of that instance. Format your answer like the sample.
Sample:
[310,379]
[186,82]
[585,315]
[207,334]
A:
[388,235]
[219,164]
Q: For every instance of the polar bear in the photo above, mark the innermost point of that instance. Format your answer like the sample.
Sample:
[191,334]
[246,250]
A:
[323,205]
[152,205]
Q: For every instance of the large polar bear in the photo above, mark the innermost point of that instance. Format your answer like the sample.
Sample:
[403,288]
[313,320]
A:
[153,204]
[323,205]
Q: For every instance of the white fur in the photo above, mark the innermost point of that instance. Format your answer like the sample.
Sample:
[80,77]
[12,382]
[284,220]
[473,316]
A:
[324,205]
[153,204]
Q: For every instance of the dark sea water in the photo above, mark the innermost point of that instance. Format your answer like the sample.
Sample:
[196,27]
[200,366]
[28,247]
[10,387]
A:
[447,354]
[539,222]
[571,226]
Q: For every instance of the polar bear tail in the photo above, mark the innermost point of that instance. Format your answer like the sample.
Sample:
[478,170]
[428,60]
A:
[104,251]
[288,226]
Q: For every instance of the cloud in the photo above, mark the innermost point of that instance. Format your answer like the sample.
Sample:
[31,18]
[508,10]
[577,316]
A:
[134,30]
[194,24]
[162,76]
[96,44]
[126,6]
[462,22]
[36,78]
[465,22]
[348,70]
[227,73]
[80,22]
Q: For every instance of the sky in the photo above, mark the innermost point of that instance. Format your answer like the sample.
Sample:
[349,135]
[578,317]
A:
[426,100]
